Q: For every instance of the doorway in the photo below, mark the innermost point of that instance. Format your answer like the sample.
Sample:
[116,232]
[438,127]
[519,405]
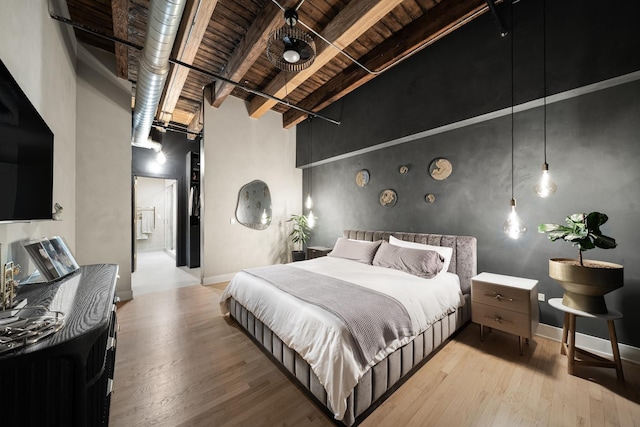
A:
[155,238]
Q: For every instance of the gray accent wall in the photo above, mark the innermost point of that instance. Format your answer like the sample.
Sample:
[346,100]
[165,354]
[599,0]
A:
[592,139]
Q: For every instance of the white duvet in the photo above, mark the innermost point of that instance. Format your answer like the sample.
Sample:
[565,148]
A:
[320,337]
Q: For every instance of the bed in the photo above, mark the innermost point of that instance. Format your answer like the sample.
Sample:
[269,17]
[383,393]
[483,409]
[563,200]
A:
[346,380]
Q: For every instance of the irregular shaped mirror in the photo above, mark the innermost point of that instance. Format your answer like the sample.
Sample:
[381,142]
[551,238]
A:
[254,205]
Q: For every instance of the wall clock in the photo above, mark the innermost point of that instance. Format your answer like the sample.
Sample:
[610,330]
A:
[440,169]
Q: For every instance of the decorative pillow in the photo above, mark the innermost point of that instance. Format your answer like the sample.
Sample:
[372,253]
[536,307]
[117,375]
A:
[445,251]
[355,250]
[421,263]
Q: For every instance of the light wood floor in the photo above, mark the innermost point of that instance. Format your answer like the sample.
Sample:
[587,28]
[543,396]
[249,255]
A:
[180,363]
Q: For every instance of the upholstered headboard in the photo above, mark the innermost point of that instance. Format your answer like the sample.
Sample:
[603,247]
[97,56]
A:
[464,262]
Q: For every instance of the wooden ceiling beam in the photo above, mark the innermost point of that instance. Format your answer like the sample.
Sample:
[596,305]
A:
[195,126]
[120,18]
[253,44]
[438,21]
[192,29]
[352,21]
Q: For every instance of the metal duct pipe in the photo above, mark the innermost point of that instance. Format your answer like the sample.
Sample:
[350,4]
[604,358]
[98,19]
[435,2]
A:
[162,27]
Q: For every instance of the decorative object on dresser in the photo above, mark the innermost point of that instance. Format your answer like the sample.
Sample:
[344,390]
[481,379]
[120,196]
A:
[52,257]
[66,379]
[299,235]
[345,388]
[568,345]
[585,282]
[506,303]
[317,251]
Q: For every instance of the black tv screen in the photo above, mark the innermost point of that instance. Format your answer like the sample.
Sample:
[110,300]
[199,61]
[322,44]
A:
[26,156]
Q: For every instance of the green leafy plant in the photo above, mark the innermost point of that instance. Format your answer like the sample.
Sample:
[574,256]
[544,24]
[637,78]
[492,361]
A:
[582,230]
[301,230]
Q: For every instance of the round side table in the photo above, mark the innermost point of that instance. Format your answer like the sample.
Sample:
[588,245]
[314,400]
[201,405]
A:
[568,345]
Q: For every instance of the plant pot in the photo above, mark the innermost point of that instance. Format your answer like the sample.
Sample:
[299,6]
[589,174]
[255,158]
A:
[585,286]
[298,255]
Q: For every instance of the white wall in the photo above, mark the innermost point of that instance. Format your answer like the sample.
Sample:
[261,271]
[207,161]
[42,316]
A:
[40,54]
[237,150]
[103,158]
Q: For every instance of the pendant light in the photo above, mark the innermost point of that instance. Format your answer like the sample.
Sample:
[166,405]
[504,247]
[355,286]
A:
[545,186]
[311,221]
[513,227]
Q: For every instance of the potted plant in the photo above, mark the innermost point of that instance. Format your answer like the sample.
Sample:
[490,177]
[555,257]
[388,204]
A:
[299,236]
[585,282]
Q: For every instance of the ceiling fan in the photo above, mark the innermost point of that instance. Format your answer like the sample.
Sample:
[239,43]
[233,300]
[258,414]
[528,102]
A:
[288,47]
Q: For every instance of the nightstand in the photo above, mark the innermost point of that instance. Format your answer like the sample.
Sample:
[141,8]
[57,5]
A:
[506,303]
[317,251]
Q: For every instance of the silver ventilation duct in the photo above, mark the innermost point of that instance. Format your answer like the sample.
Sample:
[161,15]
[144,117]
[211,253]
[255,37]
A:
[162,26]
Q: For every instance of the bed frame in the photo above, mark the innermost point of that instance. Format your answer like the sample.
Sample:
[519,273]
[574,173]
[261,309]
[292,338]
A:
[387,375]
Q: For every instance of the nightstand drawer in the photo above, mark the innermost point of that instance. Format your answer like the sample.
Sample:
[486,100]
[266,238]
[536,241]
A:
[503,320]
[500,296]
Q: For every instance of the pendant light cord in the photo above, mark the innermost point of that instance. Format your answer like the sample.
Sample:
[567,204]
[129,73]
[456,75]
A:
[544,74]
[310,151]
[512,96]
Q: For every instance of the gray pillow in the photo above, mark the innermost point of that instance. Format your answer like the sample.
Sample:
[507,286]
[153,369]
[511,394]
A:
[421,263]
[355,250]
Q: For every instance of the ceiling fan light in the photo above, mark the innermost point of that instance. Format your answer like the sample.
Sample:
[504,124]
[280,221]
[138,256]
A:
[291,56]
[285,44]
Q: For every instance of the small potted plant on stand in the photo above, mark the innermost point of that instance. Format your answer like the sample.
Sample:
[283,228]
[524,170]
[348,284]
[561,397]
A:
[585,282]
[299,236]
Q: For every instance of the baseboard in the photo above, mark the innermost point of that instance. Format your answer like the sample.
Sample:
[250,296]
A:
[218,279]
[591,343]
[124,295]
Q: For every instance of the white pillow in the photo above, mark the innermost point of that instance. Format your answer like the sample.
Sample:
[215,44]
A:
[445,251]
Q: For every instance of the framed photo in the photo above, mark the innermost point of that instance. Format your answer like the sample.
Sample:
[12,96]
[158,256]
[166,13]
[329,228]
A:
[52,257]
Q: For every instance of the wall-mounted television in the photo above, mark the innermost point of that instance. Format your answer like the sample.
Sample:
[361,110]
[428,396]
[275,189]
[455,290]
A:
[26,156]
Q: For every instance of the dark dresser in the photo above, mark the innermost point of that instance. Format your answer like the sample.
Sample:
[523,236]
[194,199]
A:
[66,378]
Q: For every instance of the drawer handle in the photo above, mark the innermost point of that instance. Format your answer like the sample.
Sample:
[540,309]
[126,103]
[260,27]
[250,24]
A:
[498,297]
[109,386]
[499,319]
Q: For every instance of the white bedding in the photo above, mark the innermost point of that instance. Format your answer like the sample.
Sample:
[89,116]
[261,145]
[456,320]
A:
[320,338]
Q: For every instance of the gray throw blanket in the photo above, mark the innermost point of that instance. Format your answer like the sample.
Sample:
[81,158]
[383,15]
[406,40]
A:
[373,318]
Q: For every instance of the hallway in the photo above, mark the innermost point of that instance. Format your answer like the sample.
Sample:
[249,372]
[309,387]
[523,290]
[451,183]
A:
[157,272]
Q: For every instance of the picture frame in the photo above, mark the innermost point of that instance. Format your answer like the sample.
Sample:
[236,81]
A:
[52,257]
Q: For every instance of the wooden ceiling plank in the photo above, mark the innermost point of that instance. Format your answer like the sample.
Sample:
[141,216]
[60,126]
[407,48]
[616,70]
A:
[186,47]
[250,48]
[355,19]
[120,18]
[428,27]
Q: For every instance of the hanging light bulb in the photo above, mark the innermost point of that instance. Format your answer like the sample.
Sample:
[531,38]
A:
[311,220]
[513,226]
[309,203]
[545,186]
[161,158]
